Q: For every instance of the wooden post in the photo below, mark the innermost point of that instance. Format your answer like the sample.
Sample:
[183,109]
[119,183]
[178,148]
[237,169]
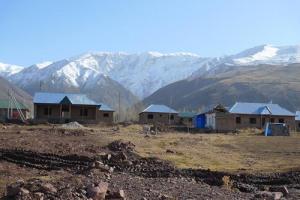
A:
[60,111]
[70,108]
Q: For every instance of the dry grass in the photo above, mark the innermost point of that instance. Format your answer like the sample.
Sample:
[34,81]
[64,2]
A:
[247,151]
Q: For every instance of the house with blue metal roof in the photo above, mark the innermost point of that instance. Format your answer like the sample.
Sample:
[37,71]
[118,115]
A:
[158,114]
[105,114]
[215,118]
[297,120]
[257,115]
[63,107]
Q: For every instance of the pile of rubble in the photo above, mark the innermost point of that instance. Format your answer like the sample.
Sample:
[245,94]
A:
[120,145]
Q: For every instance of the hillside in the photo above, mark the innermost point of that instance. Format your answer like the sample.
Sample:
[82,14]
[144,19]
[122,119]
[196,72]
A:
[260,83]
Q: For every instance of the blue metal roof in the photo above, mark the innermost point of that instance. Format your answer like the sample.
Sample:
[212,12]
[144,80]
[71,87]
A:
[187,114]
[56,98]
[104,107]
[259,109]
[297,116]
[159,109]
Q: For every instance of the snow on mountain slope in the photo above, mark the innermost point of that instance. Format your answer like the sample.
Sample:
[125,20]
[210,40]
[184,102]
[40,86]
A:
[268,54]
[141,73]
[7,69]
[264,54]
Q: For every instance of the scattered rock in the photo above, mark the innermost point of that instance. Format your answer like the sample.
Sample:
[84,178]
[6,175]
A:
[170,151]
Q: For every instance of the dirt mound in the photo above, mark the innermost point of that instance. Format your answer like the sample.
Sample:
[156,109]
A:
[46,161]
[120,145]
[72,125]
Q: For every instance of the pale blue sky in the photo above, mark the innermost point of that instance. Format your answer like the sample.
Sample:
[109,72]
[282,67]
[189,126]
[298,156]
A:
[32,31]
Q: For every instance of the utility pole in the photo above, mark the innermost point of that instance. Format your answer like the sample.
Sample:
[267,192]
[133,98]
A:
[8,104]
[119,107]
[41,86]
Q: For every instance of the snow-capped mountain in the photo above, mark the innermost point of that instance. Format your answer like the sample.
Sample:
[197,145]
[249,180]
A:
[8,70]
[141,73]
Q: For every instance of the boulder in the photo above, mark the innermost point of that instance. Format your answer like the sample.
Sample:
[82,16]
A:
[14,188]
[117,195]
[97,192]
[48,188]
[23,192]
[269,195]
[282,189]
[38,196]
[170,151]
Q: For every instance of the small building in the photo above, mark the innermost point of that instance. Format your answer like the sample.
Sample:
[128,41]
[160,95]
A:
[61,107]
[105,114]
[186,118]
[219,119]
[9,107]
[257,115]
[158,114]
[297,120]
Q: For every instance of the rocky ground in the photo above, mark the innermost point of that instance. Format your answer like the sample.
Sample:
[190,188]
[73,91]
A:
[77,168]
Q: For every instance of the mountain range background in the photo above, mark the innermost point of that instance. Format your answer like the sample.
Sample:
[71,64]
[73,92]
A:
[184,81]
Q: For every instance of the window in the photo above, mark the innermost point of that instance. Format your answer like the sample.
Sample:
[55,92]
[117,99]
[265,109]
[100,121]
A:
[263,121]
[299,125]
[105,115]
[84,112]
[190,119]
[272,120]
[252,120]
[238,120]
[47,111]
[150,116]
[160,115]
[281,120]
[172,117]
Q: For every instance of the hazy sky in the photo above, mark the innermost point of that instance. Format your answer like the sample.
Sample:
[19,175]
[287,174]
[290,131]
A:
[32,31]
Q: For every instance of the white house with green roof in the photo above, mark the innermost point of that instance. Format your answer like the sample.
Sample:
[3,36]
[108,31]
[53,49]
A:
[8,109]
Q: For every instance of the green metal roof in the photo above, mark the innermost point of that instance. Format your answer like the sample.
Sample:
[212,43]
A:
[5,104]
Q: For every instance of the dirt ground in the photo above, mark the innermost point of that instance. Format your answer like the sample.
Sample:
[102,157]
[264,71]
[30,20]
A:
[239,165]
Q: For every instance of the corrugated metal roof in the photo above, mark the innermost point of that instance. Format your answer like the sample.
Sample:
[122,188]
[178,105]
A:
[5,104]
[297,116]
[159,109]
[259,109]
[56,98]
[187,114]
[104,107]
